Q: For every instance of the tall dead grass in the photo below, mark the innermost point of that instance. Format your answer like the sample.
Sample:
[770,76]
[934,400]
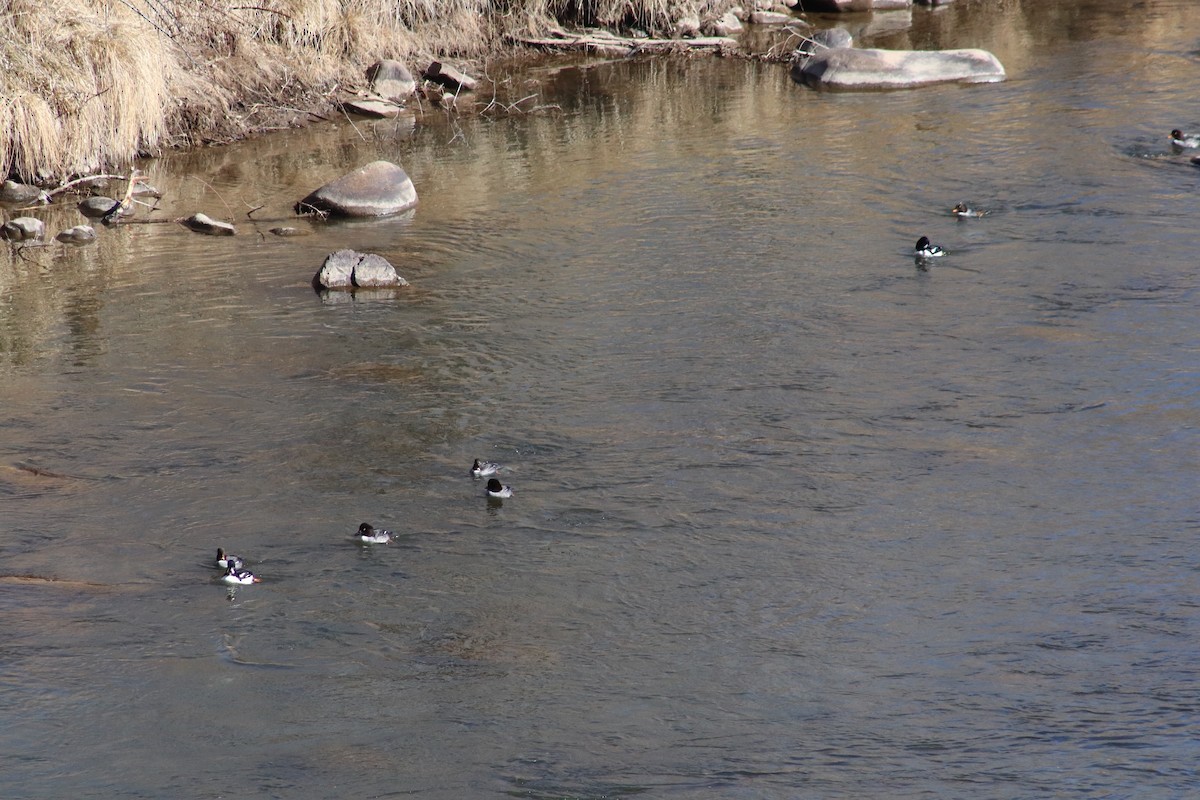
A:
[88,85]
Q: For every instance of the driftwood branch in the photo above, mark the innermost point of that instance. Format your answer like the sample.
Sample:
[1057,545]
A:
[604,42]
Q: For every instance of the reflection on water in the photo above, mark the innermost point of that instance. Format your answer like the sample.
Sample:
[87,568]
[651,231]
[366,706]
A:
[792,517]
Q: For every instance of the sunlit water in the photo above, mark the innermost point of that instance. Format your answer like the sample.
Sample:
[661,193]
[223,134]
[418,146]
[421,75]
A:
[793,518]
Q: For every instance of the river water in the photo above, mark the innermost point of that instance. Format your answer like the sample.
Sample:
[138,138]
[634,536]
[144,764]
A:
[793,518]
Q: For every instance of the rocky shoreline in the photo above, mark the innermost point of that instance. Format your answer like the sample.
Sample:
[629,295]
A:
[234,108]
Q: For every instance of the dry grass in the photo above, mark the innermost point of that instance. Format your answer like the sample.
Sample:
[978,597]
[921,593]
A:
[88,85]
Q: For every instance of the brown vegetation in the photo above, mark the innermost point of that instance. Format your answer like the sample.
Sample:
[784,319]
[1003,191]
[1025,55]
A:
[88,85]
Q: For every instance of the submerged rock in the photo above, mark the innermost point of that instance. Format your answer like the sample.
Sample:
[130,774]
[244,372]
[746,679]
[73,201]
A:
[349,269]
[391,80]
[23,228]
[80,234]
[202,223]
[379,189]
[853,68]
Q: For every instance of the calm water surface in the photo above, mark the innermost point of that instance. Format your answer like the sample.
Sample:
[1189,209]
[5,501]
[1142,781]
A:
[793,518]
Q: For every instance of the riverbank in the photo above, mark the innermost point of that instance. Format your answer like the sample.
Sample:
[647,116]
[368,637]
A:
[90,86]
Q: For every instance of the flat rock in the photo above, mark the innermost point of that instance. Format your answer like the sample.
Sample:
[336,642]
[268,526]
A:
[349,269]
[202,223]
[391,80]
[80,234]
[373,107]
[449,77]
[23,228]
[853,68]
[376,190]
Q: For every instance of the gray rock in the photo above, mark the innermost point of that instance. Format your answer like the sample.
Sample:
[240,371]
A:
[825,39]
[98,205]
[80,234]
[727,25]
[374,271]
[13,192]
[349,269]
[376,190]
[391,80]
[23,228]
[687,26]
[852,68]
[202,223]
[447,76]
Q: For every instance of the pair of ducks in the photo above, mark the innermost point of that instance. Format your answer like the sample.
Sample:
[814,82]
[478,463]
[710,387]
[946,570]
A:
[927,249]
[495,489]
[235,566]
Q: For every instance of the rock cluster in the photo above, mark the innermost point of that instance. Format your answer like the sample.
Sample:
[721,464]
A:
[349,269]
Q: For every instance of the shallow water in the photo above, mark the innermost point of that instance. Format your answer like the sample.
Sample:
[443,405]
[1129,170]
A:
[793,518]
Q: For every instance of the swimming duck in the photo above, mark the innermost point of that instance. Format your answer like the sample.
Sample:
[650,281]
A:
[1181,139]
[481,469]
[227,560]
[240,576]
[371,535]
[927,249]
[962,210]
[497,489]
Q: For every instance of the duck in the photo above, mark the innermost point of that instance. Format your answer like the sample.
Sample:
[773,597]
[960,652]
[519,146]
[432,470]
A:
[962,210]
[927,249]
[1181,139]
[481,469]
[227,560]
[240,576]
[372,535]
[498,490]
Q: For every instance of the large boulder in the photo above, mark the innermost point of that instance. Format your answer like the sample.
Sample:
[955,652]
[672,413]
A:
[349,269]
[376,190]
[853,68]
